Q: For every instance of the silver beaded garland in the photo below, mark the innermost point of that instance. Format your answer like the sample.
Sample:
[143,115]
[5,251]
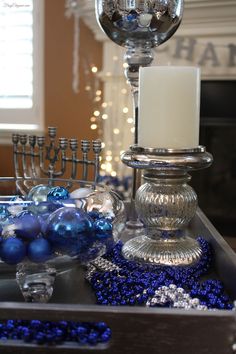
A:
[174,297]
[104,265]
[100,264]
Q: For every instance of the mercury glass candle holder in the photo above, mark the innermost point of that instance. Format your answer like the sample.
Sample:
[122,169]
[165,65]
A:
[165,203]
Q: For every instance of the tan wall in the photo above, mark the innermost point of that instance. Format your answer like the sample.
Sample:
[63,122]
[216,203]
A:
[68,111]
[6,164]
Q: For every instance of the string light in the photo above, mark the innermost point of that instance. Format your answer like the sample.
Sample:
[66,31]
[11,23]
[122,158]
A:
[112,109]
[130,120]
[132,130]
[94,69]
[87,88]
[125,65]
[108,167]
[116,131]
[96,113]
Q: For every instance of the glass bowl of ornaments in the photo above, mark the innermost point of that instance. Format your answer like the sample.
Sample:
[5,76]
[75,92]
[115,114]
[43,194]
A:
[48,229]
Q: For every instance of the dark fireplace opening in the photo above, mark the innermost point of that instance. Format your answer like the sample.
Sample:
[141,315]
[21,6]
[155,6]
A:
[216,186]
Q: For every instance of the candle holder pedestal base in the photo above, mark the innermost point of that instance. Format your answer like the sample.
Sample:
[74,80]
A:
[165,203]
[182,250]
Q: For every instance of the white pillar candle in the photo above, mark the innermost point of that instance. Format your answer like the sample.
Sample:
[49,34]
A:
[169,107]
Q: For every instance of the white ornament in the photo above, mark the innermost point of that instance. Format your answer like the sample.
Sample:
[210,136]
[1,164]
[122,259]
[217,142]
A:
[8,231]
[15,208]
[79,194]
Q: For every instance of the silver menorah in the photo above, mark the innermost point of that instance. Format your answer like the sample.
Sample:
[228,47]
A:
[37,155]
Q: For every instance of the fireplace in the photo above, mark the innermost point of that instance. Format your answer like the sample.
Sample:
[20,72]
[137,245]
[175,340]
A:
[216,186]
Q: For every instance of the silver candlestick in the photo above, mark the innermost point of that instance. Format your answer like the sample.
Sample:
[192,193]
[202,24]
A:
[165,203]
[139,26]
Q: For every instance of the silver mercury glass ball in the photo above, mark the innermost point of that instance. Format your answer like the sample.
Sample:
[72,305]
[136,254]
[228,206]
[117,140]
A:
[139,22]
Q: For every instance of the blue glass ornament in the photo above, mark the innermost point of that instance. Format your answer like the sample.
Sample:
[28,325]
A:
[4,213]
[39,250]
[24,212]
[58,193]
[27,226]
[12,250]
[39,193]
[70,230]
[102,226]
[94,215]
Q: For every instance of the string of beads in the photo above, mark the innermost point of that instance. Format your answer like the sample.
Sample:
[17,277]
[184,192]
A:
[55,333]
[123,282]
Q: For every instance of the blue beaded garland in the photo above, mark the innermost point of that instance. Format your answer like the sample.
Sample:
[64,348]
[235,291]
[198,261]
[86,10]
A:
[12,250]
[55,333]
[134,284]
[39,250]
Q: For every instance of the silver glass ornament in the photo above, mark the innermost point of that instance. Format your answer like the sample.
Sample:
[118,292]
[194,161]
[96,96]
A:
[39,193]
[109,204]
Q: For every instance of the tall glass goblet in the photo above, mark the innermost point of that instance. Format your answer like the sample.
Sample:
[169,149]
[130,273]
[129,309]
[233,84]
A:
[139,26]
